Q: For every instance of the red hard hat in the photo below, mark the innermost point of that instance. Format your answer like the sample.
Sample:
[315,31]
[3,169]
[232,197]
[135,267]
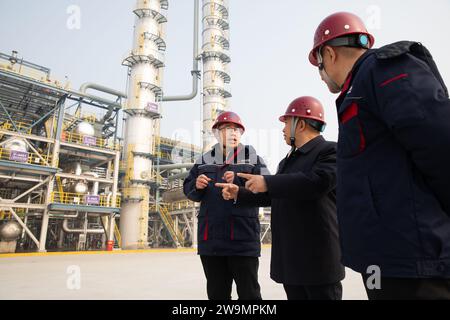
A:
[305,107]
[335,26]
[228,117]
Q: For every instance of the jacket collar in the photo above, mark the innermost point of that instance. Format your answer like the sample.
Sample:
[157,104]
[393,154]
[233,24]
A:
[356,66]
[217,153]
[307,147]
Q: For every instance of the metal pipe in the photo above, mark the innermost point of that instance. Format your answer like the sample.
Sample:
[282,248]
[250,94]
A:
[94,190]
[13,59]
[195,70]
[90,85]
[108,198]
[65,216]
[66,228]
[176,166]
[182,175]
[95,98]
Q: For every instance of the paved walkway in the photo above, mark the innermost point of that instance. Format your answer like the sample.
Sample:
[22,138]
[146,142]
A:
[153,274]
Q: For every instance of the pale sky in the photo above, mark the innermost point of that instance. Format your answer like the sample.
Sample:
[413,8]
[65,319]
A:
[270,42]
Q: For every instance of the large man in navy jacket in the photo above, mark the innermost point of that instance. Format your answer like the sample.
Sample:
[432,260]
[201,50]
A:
[228,237]
[393,159]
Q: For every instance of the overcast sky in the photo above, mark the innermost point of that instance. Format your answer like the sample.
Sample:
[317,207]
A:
[270,41]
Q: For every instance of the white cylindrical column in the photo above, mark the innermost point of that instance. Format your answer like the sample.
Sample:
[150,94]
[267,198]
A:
[215,56]
[145,61]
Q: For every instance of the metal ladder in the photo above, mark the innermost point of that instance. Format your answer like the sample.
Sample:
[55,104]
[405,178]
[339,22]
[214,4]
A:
[176,236]
[117,235]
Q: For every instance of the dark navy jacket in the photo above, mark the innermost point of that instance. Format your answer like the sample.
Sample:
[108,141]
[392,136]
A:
[302,196]
[393,191]
[224,229]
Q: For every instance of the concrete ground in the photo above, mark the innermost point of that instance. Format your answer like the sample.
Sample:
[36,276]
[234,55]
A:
[150,275]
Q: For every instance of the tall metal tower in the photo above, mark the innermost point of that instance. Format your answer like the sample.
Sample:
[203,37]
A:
[215,47]
[145,63]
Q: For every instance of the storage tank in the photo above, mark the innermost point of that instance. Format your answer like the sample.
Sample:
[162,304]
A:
[78,187]
[16,144]
[84,128]
[10,231]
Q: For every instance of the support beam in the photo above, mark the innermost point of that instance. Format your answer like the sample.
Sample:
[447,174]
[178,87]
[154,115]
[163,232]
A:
[36,152]
[55,161]
[13,177]
[4,204]
[9,117]
[30,190]
[26,136]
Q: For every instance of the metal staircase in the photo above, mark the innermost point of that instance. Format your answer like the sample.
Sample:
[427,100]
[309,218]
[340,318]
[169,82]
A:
[175,234]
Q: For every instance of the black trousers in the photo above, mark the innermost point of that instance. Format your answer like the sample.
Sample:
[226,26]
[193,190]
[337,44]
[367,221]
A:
[409,289]
[321,292]
[221,271]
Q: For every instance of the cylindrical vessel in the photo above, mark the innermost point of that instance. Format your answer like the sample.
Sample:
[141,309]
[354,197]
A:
[145,61]
[215,47]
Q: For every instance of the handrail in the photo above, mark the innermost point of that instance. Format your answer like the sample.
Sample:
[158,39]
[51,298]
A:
[83,199]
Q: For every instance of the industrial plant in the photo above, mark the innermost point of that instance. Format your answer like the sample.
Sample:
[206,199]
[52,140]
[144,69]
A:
[81,172]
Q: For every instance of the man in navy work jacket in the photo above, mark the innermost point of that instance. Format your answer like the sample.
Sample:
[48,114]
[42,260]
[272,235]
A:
[305,242]
[228,237]
[393,159]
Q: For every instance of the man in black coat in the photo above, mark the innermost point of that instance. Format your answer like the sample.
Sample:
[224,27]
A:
[305,242]
[228,236]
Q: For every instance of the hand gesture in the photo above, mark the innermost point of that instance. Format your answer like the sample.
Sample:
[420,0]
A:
[202,182]
[229,190]
[255,183]
[228,176]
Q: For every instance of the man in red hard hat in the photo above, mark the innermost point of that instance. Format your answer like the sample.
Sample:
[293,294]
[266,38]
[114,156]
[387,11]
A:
[393,154]
[305,245]
[228,237]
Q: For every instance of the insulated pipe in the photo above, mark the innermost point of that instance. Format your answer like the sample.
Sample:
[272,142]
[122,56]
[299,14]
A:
[65,216]
[195,71]
[96,183]
[66,228]
[176,166]
[96,98]
[78,169]
[90,85]
[108,198]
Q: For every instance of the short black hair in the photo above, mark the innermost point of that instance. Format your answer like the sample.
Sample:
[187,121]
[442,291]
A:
[317,125]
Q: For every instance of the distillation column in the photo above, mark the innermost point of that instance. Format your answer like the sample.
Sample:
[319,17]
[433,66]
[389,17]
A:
[145,63]
[215,47]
